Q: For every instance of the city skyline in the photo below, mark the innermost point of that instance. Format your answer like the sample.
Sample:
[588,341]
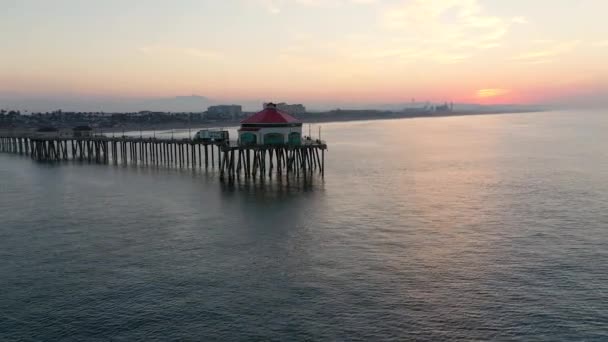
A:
[360,51]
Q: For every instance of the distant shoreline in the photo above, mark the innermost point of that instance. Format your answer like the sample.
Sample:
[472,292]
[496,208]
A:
[317,120]
[312,118]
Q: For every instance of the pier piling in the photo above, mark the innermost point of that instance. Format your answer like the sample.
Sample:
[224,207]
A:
[233,160]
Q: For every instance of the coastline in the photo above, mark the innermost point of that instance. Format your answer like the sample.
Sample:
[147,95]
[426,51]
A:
[308,120]
[311,118]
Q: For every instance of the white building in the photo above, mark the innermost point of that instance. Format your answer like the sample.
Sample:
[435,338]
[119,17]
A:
[224,112]
[270,127]
[291,109]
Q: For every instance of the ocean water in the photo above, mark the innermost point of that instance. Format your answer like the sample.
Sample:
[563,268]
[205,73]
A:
[491,227]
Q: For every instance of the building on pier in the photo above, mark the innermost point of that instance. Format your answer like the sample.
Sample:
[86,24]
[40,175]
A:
[271,126]
[47,132]
[82,131]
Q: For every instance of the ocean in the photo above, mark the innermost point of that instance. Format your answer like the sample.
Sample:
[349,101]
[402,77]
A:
[487,227]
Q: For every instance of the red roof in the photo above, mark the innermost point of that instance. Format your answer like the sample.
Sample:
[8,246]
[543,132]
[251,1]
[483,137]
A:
[270,115]
[249,129]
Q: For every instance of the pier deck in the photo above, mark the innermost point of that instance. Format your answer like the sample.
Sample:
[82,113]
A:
[231,159]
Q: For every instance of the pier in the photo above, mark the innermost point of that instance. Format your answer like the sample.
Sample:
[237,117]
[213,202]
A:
[231,159]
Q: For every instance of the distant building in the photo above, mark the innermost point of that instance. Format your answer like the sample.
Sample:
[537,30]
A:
[444,108]
[292,109]
[224,112]
[270,127]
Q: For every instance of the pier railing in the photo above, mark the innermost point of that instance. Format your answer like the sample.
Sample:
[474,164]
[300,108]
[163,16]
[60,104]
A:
[233,160]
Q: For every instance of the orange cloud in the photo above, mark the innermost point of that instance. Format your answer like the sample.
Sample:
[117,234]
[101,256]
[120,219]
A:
[491,92]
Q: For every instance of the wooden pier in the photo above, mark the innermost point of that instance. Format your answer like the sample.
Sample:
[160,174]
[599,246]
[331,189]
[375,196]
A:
[232,160]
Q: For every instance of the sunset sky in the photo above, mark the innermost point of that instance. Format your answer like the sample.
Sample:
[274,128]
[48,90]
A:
[484,51]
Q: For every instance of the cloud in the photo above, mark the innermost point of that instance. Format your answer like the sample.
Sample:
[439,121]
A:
[435,31]
[452,27]
[547,53]
[603,43]
[519,20]
[491,92]
[271,6]
[407,55]
[332,3]
[152,50]
[276,6]
[446,20]
[202,53]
